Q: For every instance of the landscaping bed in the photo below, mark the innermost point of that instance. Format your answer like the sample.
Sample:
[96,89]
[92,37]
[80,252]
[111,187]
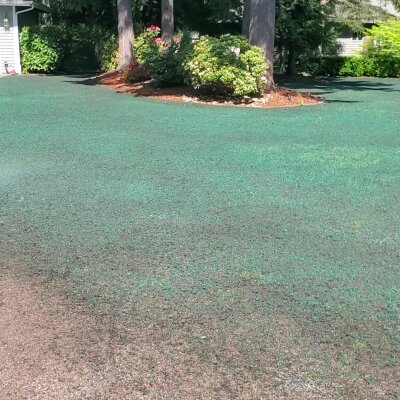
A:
[281,97]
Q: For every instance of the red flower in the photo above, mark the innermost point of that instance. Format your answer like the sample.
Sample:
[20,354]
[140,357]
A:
[155,28]
[159,41]
[133,65]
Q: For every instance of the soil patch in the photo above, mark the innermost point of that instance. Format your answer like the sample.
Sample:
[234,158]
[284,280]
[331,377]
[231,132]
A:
[282,97]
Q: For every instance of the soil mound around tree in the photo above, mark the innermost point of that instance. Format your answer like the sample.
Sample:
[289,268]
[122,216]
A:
[281,97]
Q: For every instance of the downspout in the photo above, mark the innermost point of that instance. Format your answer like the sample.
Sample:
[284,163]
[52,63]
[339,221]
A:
[31,8]
[16,13]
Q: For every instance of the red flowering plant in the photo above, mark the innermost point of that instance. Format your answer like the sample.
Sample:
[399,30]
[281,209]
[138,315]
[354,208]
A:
[158,41]
[133,65]
[136,72]
[164,61]
[146,47]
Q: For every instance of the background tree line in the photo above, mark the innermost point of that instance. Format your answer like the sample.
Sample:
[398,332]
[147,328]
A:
[286,30]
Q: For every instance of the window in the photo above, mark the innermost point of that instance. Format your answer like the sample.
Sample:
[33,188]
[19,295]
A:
[357,36]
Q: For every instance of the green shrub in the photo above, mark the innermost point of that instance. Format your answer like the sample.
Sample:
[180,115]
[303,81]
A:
[107,52]
[381,66]
[352,66]
[227,66]
[164,62]
[323,66]
[80,54]
[42,48]
[378,66]
[50,48]
[384,39]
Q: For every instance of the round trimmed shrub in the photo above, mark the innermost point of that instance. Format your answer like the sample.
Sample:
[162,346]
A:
[227,66]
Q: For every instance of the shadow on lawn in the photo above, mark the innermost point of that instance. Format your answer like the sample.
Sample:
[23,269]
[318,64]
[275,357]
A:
[142,89]
[305,85]
[329,85]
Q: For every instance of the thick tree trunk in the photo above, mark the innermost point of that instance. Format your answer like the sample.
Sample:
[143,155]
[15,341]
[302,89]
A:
[125,33]
[167,20]
[246,18]
[262,33]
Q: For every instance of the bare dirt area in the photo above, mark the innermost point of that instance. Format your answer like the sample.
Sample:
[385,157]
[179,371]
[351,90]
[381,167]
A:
[282,97]
[54,347]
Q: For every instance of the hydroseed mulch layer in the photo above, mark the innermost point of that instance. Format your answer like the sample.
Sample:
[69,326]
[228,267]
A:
[178,251]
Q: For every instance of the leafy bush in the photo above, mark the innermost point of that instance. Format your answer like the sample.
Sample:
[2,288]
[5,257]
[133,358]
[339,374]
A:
[49,48]
[42,48]
[323,66]
[227,66]
[164,62]
[382,66]
[352,66]
[80,54]
[107,52]
[384,39]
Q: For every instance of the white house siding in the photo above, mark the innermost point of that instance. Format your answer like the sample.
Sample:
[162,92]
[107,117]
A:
[8,41]
[350,46]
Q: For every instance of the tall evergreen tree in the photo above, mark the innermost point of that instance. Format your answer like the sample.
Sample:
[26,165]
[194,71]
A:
[262,32]
[167,20]
[246,18]
[125,33]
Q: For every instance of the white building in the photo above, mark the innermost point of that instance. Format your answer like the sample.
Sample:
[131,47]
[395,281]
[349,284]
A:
[352,42]
[13,15]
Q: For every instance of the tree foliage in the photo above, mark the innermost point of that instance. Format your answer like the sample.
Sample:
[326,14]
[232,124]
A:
[384,38]
[352,13]
[304,28]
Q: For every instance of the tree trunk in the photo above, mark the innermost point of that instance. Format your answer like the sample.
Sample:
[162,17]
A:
[283,56]
[262,33]
[167,20]
[246,18]
[125,33]
[292,62]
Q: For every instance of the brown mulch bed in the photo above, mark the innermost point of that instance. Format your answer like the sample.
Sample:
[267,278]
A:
[281,97]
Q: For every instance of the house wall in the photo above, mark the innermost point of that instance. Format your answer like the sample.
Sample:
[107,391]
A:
[351,43]
[7,46]
[350,47]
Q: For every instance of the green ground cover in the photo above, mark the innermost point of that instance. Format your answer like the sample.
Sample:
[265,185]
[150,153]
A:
[267,239]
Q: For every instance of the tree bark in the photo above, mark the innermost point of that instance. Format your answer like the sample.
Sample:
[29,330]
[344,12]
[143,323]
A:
[167,20]
[246,18]
[125,33]
[292,62]
[262,33]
